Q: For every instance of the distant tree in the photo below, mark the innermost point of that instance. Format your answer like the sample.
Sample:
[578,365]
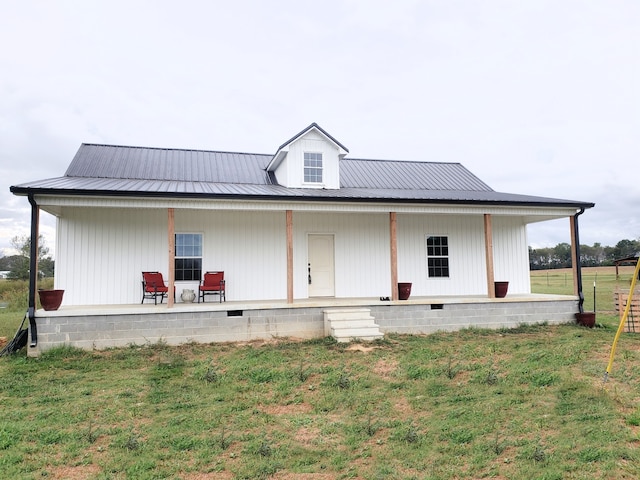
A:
[626,248]
[7,263]
[540,258]
[20,265]
[594,256]
[562,255]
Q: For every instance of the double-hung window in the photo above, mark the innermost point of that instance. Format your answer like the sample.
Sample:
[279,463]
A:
[437,256]
[312,167]
[188,262]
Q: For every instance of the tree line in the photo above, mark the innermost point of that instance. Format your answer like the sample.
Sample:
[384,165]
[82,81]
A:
[18,265]
[595,256]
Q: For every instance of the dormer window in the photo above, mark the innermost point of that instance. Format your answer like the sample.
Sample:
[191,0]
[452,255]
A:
[311,159]
[312,167]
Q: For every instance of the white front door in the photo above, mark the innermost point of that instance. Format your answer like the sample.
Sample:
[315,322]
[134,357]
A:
[321,266]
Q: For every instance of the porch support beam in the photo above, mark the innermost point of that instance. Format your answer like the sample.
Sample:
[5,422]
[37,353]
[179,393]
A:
[393,237]
[289,222]
[575,259]
[33,270]
[574,255]
[171,229]
[488,250]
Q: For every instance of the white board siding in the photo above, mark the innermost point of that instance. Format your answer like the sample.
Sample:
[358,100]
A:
[362,255]
[102,252]
[249,246]
[467,262]
[467,272]
[511,253]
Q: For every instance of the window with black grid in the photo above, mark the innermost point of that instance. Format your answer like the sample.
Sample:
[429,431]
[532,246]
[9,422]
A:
[437,256]
[188,260]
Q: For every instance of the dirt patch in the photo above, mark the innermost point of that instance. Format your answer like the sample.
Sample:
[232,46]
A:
[79,472]
[302,476]
[291,409]
[305,436]
[402,406]
[385,368]
[271,341]
[357,347]
[207,476]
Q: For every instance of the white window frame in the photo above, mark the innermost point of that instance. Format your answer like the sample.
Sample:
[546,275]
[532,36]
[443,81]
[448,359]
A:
[189,252]
[311,172]
[438,257]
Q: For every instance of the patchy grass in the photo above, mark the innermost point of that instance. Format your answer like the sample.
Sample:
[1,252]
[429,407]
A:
[519,404]
[14,298]
[525,403]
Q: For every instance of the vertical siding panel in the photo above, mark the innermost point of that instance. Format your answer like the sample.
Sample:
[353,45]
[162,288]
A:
[101,252]
[511,253]
[466,257]
[249,246]
[105,251]
[361,248]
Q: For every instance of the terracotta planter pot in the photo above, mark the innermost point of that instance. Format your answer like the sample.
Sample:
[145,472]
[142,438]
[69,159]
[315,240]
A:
[586,319]
[404,290]
[50,299]
[501,289]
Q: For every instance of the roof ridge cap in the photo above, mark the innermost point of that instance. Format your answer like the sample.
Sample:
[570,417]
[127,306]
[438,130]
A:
[402,161]
[173,149]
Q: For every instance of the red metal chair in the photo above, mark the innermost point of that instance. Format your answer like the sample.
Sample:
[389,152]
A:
[213,284]
[153,286]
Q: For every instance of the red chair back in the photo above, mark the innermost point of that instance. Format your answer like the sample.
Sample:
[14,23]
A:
[213,279]
[153,281]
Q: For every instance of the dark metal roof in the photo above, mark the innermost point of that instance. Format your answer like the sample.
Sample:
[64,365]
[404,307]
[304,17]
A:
[107,170]
[395,175]
[138,163]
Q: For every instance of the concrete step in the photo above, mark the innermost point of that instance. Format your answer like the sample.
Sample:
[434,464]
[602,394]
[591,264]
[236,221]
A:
[364,334]
[348,324]
[364,323]
[336,314]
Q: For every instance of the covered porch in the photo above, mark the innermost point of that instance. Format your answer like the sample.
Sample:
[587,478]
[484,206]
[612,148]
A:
[106,326]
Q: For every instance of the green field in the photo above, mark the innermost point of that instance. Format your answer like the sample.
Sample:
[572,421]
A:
[561,282]
[527,403]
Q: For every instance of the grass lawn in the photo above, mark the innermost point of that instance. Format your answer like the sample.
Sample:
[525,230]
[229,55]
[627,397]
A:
[526,403]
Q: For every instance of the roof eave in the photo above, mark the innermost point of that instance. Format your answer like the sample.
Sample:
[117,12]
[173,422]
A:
[23,191]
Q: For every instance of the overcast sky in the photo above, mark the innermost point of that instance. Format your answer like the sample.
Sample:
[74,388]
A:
[533,96]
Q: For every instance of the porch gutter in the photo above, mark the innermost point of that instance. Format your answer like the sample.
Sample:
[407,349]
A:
[576,233]
[33,270]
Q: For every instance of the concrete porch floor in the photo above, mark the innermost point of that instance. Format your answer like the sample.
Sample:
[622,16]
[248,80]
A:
[320,302]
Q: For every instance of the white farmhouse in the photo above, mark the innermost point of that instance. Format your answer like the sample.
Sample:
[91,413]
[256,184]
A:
[299,234]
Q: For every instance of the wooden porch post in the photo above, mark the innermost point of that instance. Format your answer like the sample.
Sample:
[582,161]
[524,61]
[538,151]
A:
[574,256]
[172,257]
[393,236]
[488,249]
[289,220]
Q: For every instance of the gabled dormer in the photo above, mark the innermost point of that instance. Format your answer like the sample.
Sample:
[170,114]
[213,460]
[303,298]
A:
[311,159]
